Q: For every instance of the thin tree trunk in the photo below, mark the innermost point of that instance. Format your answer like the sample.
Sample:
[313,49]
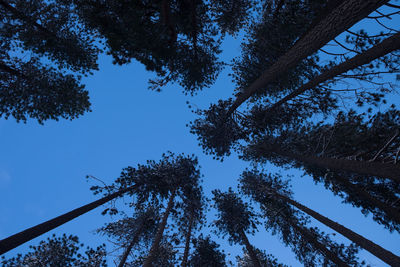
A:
[368,245]
[387,46]
[187,243]
[324,250]
[156,243]
[20,238]
[340,19]
[131,244]
[250,249]
[389,210]
[383,170]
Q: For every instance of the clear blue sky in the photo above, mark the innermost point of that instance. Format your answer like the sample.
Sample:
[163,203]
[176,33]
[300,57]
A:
[43,168]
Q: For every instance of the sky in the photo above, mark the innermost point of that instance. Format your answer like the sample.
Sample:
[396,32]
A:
[43,167]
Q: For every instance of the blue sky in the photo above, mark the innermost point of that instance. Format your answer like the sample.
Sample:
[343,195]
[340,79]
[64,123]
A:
[43,167]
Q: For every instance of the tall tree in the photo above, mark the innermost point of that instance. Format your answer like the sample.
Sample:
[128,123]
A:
[344,16]
[40,31]
[132,232]
[273,188]
[310,245]
[206,253]
[59,251]
[176,39]
[267,260]
[235,218]
[369,141]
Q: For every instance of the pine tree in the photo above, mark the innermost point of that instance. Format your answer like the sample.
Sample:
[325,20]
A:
[273,189]
[311,246]
[39,31]
[206,253]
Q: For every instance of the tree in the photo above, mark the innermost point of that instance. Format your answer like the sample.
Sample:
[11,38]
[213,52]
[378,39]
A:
[315,147]
[20,238]
[235,219]
[59,251]
[344,16]
[176,39]
[131,232]
[272,188]
[311,246]
[266,260]
[206,253]
[40,31]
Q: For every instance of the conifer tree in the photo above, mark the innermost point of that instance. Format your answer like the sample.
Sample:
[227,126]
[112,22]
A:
[235,218]
[311,246]
[206,253]
[273,188]
[34,32]
[59,251]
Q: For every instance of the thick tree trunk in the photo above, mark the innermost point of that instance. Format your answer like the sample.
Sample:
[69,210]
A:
[387,46]
[134,240]
[250,249]
[156,243]
[389,210]
[324,250]
[340,19]
[187,242]
[383,170]
[368,245]
[29,234]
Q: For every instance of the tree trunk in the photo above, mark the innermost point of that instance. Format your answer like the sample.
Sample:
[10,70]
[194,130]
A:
[156,243]
[389,210]
[387,46]
[324,250]
[187,243]
[368,245]
[250,249]
[35,231]
[134,240]
[383,170]
[337,21]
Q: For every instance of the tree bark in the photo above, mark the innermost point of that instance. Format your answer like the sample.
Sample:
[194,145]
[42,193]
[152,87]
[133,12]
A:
[134,240]
[387,46]
[35,231]
[324,250]
[250,249]
[383,170]
[378,251]
[337,21]
[156,243]
[187,243]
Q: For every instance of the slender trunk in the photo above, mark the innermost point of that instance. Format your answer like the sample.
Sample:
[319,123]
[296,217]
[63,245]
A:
[250,249]
[387,46]
[324,250]
[187,243]
[156,243]
[368,245]
[25,18]
[337,21]
[35,231]
[131,244]
[383,170]
[389,210]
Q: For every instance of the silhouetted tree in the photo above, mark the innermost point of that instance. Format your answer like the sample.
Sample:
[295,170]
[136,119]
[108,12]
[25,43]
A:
[311,246]
[34,32]
[206,253]
[59,251]
[265,260]
[273,188]
[235,219]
